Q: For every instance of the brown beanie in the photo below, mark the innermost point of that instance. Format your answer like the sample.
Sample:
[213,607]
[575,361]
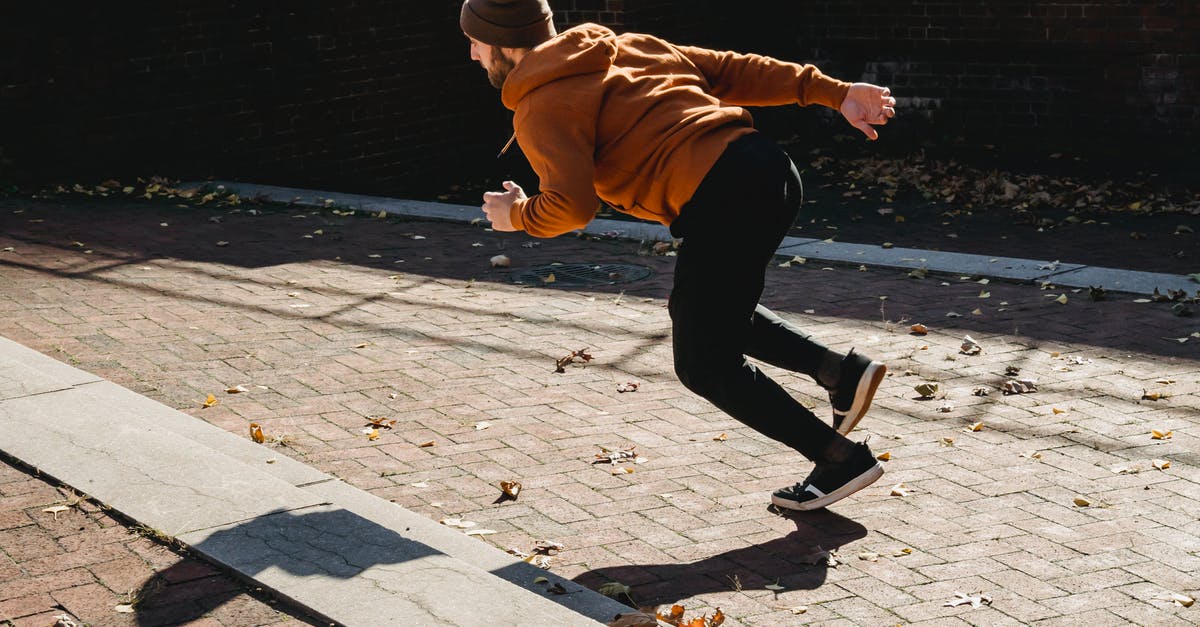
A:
[507,23]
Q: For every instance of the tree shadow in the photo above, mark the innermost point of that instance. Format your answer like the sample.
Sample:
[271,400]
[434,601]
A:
[797,561]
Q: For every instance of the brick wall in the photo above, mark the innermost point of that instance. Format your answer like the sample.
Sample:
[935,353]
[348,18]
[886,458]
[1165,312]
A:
[380,95]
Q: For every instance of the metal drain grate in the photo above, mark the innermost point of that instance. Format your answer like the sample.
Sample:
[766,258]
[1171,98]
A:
[580,274]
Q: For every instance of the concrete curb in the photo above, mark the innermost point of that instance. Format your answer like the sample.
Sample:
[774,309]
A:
[339,552]
[825,251]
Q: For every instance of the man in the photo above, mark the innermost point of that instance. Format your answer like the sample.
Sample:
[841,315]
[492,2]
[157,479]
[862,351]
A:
[656,131]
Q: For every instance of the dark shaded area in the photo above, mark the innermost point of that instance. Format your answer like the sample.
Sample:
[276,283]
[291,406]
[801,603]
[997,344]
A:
[798,561]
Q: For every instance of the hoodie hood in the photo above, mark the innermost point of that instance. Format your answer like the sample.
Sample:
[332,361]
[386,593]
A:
[585,49]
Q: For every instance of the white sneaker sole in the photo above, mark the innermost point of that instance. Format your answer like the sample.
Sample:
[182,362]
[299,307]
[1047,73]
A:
[868,477]
[868,384]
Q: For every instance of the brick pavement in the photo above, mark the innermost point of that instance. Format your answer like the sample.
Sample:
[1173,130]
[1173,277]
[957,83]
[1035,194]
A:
[330,319]
[82,563]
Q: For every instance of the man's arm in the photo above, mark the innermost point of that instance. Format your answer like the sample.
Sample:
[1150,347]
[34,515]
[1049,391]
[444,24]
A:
[561,150]
[755,80]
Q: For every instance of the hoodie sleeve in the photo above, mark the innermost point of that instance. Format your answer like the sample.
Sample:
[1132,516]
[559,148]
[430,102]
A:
[755,80]
[560,145]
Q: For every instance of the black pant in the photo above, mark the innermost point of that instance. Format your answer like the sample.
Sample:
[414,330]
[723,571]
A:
[731,229]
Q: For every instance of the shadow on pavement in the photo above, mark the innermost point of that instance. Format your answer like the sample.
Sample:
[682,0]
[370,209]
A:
[798,561]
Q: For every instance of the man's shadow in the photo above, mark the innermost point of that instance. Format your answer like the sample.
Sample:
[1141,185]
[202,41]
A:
[797,561]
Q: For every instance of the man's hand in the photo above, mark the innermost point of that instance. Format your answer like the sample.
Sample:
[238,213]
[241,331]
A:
[868,104]
[497,205]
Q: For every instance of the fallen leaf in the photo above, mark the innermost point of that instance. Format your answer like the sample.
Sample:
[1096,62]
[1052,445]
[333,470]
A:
[622,470]
[721,438]
[363,345]
[983,294]
[541,580]
[256,433]
[382,423]
[799,609]
[868,556]
[1058,411]
[419,484]
[919,329]
[946,441]
[980,392]
[899,490]
[511,488]
[1182,600]
[457,523]
[628,386]
[210,401]
[636,619]
[1161,435]
[974,600]
[902,552]
[926,390]
[56,510]
[1081,502]
[1061,299]
[124,608]
[1019,386]
[373,435]
[501,261]
[946,408]
[774,587]
[883,457]
[237,389]
[614,589]
[975,427]
[560,365]
[480,532]
[481,425]
[970,346]
[1161,464]
[428,444]
[1152,396]
[1032,455]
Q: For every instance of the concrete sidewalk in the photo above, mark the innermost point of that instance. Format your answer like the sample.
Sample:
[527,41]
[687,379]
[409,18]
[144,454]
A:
[328,320]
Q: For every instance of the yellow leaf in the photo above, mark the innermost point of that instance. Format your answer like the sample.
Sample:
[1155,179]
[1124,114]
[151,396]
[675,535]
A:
[883,457]
[1161,464]
[721,438]
[1058,411]
[549,278]
[902,552]
[373,435]
[363,345]
[237,389]
[1161,435]
[899,490]
[977,426]
[985,294]
[977,312]
[210,401]
[1082,502]
[256,433]
[1061,299]
[946,441]
[428,444]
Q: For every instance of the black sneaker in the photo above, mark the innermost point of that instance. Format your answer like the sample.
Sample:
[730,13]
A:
[829,483]
[857,382]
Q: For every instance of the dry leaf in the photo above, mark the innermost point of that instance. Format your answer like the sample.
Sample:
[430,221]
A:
[382,423]
[373,435]
[613,457]
[919,329]
[210,401]
[1058,411]
[902,552]
[721,438]
[457,523]
[868,556]
[1032,455]
[946,408]
[481,425]
[622,470]
[883,457]
[799,609]
[636,619]
[427,444]
[1019,386]
[560,365]
[238,389]
[124,608]
[1061,299]
[256,433]
[480,532]
[946,441]
[56,510]
[501,261]
[899,490]
[1161,464]
[1161,435]
[983,294]
[926,390]
[975,427]
[628,386]
[974,600]
[1182,600]
[541,580]
[511,488]
[1081,502]
[363,345]
[774,587]
[614,589]
[1152,396]
[970,346]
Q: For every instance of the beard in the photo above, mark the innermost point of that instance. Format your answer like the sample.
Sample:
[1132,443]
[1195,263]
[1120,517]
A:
[501,67]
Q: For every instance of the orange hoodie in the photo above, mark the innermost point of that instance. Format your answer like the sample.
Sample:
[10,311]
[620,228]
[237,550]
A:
[636,121]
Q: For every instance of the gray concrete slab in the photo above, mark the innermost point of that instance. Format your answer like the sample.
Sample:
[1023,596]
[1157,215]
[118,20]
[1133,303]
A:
[358,572]
[101,440]
[1125,280]
[24,372]
[931,260]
